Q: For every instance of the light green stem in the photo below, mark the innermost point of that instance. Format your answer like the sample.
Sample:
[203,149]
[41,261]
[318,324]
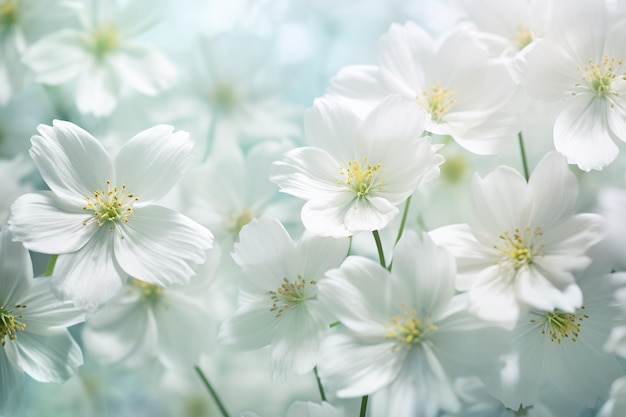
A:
[319,384]
[363,406]
[520,139]
[379,247]
[405,213]
[50,267]
[214,395]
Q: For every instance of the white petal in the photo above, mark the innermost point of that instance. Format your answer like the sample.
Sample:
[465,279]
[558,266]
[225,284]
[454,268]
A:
[319,254]
[47,224]
[428,270]
[71,161]
[368,214]
[266,265]
[98,90]
[123,330]
[537,291]
[161,246]
[50,357]
[153,161]
[361,85]
[327,217]
[353,368]
[144,69]
[90,276]
[45,312]
[16,271]
[252,327]
[581,133]
[493,298]
[12,382]
[58,58]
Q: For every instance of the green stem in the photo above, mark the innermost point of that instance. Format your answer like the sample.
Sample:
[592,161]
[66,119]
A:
[50,267]
[520,139]
[363,406]
[405,213]
[319,384]
[379,247]
[210,138]
[214,395]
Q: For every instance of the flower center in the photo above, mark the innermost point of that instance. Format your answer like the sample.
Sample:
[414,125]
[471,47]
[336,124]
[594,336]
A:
[224,97]
[291,294]
[408,329]
[599,76]
[519,249]
[561,325]
[237,221]
[110,207]
[8,13]
[9,323]
[437,101]
[103,39]
[150,293]
[362,177]
[523,37]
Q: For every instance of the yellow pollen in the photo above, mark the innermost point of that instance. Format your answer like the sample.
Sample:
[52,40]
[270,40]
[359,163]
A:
[102,40]
[561,325]
[8,13]
[291,294]
[599,76]
[237,221]
[149,292]
[110,207]
[519,248]
[362,177]
[437,100]
[224,97]
[407,329]
[10,324]
[523,37]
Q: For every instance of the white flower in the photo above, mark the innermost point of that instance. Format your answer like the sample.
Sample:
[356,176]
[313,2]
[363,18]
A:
[580,62]
[357,171]
[100,214]
[404,333]
[278,296]
[12,185]
[451,78]
[103,57]
[611,203]
[307,409]
[33,325]
[522,242]
[564,351]
[616,405]
[145,321]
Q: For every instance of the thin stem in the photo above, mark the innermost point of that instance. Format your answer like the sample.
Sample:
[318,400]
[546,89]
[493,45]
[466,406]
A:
[379,247]
[520,139]
[319,384]
[50,267]
[214,395]
[363,406]
[405,213]
[210,138]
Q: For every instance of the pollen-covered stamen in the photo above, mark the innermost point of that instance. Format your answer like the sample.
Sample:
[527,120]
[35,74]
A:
[561,325]
[437,100]
[408,329]
[8,13]
[149,292]
[599,77]
[110,207]
[103,39]
[520,247]
[10,323]
[291,294]
[362,177]
[523,37]
[237,220]
[224,97]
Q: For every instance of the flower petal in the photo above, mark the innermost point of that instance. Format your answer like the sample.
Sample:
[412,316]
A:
[98,90]
[144,69]
[45,223]
[252,327]
[16,271]
[71,161]
[45,312]
[161,246]
[12,382]
[153,161]
[361,85]
[319,254]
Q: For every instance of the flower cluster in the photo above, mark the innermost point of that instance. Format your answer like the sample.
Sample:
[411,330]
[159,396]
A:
[308,209]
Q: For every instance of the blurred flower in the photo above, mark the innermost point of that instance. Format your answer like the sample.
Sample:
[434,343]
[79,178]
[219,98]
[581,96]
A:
[451,79]
[404,333]
[307,409]
[33,325]
[611,203]
[12,185]
[522,242]
[278,303]
[103,232]
[616,405]
[103,57]
[580,62]
[357,171]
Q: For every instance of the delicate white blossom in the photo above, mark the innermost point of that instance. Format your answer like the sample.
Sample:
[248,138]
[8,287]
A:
[101,216]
